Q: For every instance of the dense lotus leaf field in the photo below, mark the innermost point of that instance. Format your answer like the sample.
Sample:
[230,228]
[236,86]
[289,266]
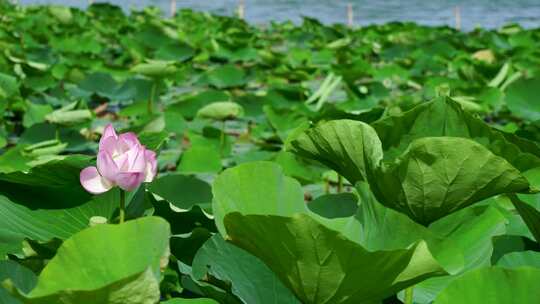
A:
[283,163]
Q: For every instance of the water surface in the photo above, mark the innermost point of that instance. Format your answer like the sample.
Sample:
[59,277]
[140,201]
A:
[484,13]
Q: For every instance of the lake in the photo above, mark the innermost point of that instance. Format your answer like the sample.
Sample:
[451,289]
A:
[484,13]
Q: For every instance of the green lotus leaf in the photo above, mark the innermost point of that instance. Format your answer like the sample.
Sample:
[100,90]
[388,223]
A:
[226,76]
[299,168]
[200,159]
[69,117]
[61,13]
[155,68]
[188,106]
[18,218]
[321,266]
[8,86]
[10,243]
[107,264]
[493,285]
[460,241]
[464,242]
[153,140]
[21,277]
[350,147]
[252,281]
[530,215]
[14,160]
[337,205]
[99,83]
[225,110]
[440,175]
[471,231]
[256,205]
[55,181]
[521,96]
[434,177]
[182,191]
[175,51]
[520,259]
[255,188]
[285,122]
[36,113]
[448,237]
[445,117]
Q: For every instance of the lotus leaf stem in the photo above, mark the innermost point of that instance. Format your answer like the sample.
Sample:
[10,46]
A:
[409,295]
[122,206]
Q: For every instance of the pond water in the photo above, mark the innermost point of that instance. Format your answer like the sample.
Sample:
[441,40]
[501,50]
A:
[484,13]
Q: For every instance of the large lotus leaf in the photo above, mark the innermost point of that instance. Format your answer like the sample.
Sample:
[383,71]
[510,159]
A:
[200,159]
[294,166]
[521,98]
[14,160]
[45,223]
[434,177]
[350,147]
[221,294]
[494,286]
[426,291]
[106,264]
[337,205]
[55,173]
[449,238]
[440,175]
[53,184]
[183,191]
[251,279]
[445,117]
[530,215]
[22,277]
[256,188]
[520,259]
[376,231]
[184,247]
[469,232]
[472,231]
[321,266]
[10,242]
[263,212]
[382,228]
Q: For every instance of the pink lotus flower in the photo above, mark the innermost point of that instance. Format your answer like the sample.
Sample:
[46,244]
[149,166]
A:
[121,161]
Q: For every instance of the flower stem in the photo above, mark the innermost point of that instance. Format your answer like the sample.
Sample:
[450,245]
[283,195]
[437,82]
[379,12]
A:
[122,206]
[409,295]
